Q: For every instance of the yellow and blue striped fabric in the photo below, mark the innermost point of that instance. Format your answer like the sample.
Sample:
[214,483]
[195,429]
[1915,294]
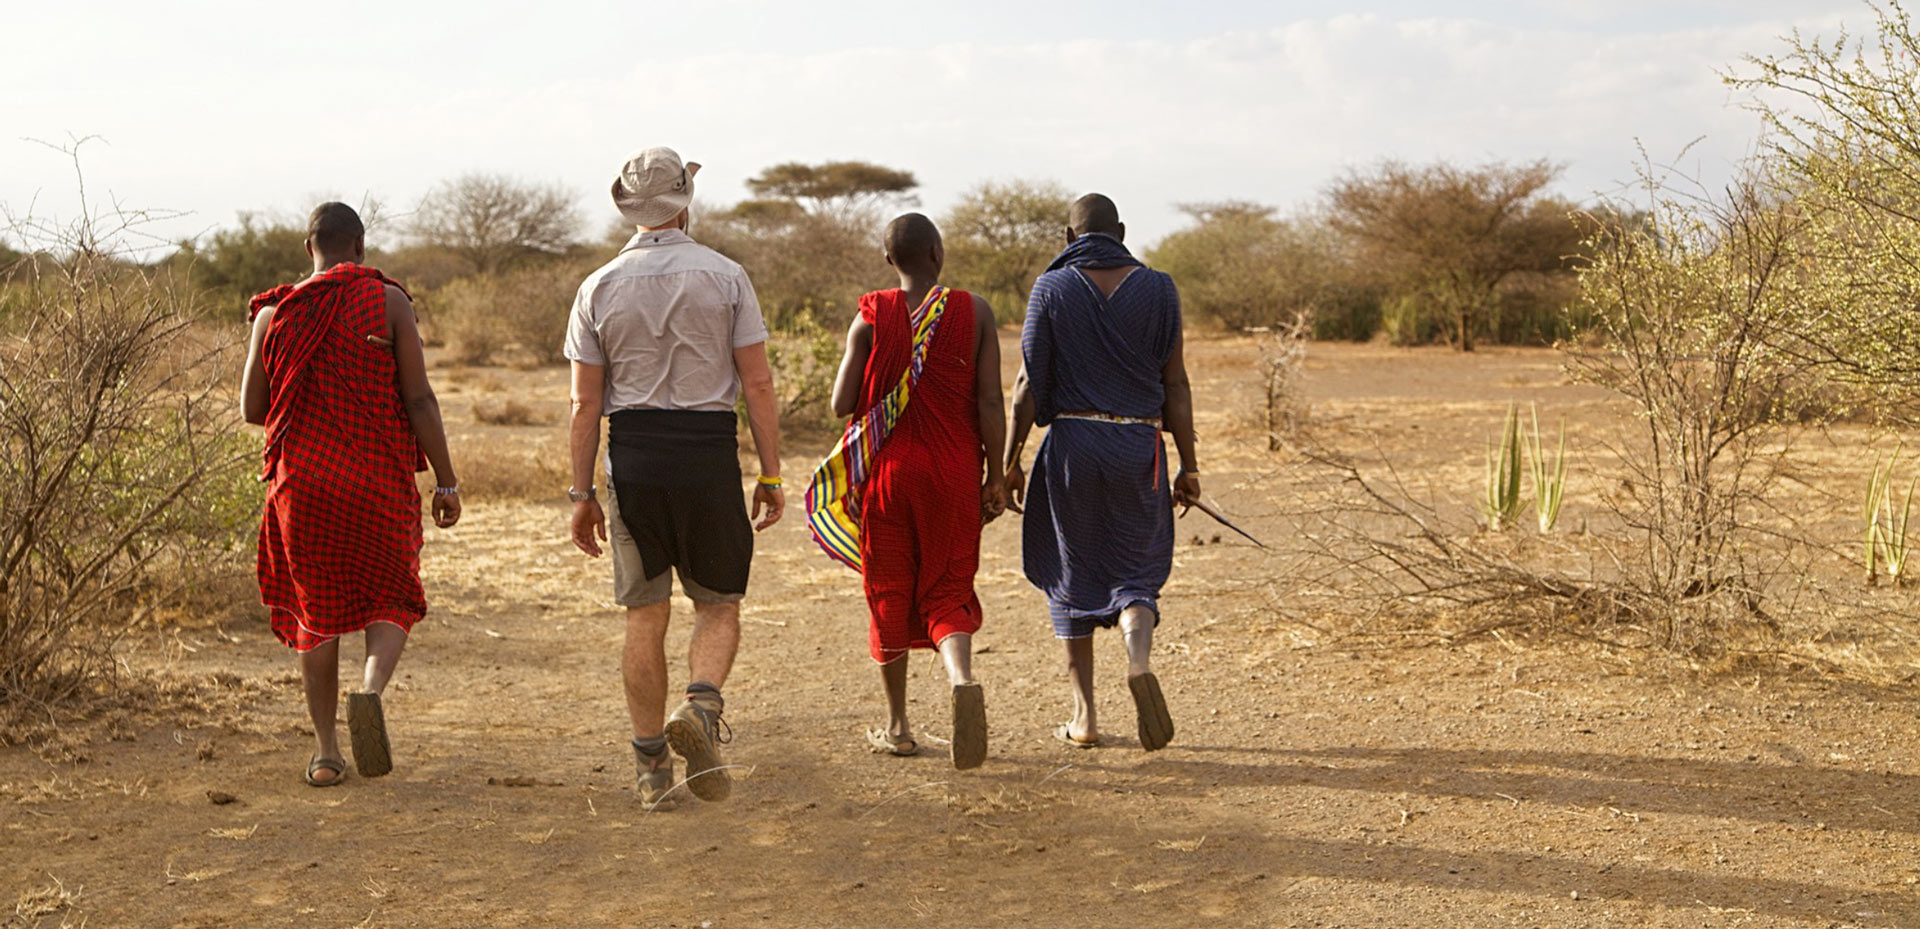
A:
[839,477]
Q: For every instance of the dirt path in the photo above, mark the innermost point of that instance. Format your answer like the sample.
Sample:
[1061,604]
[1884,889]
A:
[1491,784]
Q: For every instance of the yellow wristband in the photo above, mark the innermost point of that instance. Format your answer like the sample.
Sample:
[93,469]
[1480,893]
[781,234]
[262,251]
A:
[766,481]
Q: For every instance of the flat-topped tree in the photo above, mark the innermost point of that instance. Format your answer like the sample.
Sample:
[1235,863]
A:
[836,187]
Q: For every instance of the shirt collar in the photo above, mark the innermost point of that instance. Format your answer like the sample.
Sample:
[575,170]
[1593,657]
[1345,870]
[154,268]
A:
[657,237]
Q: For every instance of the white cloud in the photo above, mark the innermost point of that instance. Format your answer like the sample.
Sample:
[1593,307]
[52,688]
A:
[1267,114]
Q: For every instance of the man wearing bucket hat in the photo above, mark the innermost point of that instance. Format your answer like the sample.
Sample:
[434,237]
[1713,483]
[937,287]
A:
[664,339]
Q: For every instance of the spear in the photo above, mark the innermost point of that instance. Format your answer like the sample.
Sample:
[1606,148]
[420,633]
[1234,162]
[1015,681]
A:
[1222,520]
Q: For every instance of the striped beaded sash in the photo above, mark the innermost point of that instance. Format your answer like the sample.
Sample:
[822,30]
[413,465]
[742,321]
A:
[841,475]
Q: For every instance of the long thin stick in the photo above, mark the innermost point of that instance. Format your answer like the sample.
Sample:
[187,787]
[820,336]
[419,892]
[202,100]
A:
[1222,520]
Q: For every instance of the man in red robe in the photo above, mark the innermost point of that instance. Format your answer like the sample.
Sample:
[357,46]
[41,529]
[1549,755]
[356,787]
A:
[336,374]
[924,498]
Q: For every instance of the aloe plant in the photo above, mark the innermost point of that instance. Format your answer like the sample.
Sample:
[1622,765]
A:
[1893,532]
[1549,479]
[1877,493]
[1502,502]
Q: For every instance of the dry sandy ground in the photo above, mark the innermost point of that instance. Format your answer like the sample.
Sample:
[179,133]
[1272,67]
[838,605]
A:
[1315,780]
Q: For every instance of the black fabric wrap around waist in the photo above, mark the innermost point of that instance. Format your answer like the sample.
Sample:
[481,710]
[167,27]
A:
[674,448]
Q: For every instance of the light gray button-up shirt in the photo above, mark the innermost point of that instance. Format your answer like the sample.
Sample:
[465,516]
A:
[664,317]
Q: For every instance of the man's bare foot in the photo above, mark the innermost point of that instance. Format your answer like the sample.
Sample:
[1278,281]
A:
[1150,707]
[896,741]
[1082,738]
[326,772]
[367,725]
[969,726]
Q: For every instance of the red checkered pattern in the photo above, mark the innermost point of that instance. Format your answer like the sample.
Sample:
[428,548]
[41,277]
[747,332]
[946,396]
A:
[340,538]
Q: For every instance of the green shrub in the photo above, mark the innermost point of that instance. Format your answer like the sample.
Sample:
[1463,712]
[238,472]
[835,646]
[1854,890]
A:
[805,356]
[236,263]
[518,315]
[123,474]
[1409,319]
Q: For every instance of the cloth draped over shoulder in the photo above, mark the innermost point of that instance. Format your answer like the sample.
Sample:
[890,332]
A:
[1098,535]
[340,536]
[1118,345]
[837,478]
[920,503]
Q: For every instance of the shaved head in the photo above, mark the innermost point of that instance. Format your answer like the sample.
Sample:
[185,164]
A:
[913,243]
[335,229]
[1095,213]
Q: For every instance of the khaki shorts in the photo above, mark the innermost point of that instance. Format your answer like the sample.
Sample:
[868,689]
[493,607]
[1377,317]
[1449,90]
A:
[631,586]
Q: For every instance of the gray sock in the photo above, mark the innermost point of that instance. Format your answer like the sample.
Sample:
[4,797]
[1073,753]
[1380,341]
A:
[706,695]
[650,746]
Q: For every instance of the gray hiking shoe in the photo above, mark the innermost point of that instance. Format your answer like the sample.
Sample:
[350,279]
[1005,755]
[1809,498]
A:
[655,773]
[694,732]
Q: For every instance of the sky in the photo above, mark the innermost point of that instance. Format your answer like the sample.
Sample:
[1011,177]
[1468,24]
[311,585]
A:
[217,108]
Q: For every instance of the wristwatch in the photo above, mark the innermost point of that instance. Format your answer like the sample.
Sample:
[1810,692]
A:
[580,496]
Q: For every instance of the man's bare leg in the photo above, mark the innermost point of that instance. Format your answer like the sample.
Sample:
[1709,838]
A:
[969,702]
[643,666]
[1083,726]
[957,651]
[893,676]
[384,644]
[320,674]
[1149,704]
[716,639]
[694,729]
[1136,626]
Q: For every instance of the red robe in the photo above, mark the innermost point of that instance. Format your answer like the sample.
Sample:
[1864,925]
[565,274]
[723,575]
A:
[920,505]
[340,539]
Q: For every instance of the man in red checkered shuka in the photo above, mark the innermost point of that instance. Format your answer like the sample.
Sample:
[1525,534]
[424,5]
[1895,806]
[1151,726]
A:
[336,374]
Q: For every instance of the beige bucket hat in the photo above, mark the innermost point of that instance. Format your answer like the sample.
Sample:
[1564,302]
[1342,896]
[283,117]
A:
[654,186]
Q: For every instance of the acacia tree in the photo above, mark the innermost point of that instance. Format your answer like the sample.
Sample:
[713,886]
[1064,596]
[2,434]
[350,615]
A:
[492,220]
[1452,235]
[838,188]
[810,238]
[1844,142]
[804,265]
[1684,305]
[1243,266]
[1001,235]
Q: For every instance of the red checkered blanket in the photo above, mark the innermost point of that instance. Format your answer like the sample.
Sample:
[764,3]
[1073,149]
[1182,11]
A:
[340,538]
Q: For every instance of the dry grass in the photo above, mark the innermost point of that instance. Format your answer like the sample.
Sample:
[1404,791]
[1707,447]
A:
[40,902]
[137,700]
[507,413]
[501,470]
[517,316]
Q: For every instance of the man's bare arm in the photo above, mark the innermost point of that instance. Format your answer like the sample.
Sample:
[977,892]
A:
[986,389]
[987,403]
[853,368]
[589,386]
[1022,415]
[423,408]
[1177,415]
[255,393]
[763,419]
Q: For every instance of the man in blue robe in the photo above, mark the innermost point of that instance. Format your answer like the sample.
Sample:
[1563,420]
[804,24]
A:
[1104,372]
